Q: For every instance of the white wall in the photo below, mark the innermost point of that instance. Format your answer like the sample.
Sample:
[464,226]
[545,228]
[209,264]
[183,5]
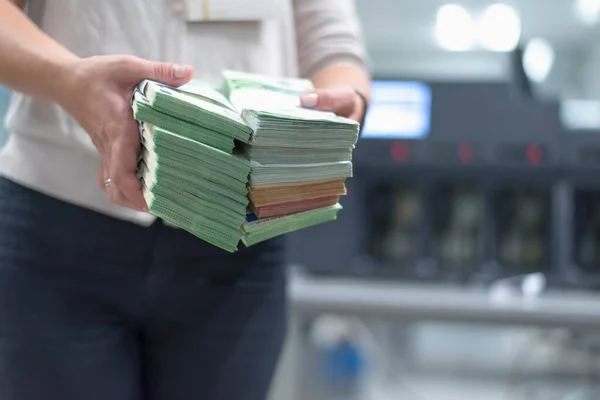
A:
[437,65]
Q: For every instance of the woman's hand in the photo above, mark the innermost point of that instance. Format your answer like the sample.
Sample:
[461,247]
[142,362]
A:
[97,92]
[343,101]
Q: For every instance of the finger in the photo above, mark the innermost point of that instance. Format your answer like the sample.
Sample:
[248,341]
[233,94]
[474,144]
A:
[102,174]
[126,190]
[127,182]
[135,70]
[339,101]
[116,196]
[123,167]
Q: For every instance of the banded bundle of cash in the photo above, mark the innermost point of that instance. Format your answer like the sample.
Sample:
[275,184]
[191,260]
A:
[241,163]
[299,158]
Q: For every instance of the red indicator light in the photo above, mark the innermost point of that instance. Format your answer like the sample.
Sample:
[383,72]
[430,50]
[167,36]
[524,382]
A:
[400,151]
[534,154]
[466,153]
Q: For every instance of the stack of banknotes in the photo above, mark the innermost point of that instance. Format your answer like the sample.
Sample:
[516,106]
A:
[242,162]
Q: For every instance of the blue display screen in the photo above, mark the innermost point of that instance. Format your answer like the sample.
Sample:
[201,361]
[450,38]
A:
[399,110]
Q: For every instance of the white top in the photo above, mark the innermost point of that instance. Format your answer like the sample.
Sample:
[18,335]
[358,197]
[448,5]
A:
[49,152]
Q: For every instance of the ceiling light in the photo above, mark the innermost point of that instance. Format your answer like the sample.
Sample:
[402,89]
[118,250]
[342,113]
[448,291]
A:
[538,59]
[499,28]
[454,28]
[588,11]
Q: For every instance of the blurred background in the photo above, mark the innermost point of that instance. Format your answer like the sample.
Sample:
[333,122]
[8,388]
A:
[466,262]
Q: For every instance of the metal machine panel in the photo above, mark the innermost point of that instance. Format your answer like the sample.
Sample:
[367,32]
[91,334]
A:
[491,190]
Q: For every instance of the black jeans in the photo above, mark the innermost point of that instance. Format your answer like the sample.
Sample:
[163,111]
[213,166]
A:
[96,308]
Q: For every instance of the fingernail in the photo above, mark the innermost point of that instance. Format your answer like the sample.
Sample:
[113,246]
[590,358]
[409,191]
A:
[310,100]
[180,71]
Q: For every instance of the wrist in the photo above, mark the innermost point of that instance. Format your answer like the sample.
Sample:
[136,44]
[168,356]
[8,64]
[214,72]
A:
[62,78]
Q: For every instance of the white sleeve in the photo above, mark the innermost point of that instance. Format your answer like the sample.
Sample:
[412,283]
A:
[328,33]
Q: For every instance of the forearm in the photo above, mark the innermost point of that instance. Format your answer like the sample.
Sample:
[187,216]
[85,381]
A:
[343,75]
[34,61]
[331,53]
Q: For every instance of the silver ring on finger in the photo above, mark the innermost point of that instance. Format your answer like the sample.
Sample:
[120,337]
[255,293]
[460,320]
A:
[107,182]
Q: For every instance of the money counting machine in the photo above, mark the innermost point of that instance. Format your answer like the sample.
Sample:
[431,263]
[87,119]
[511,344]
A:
[462,182]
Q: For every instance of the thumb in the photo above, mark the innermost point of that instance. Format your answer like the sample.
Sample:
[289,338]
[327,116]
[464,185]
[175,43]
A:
[311,100]
[170,74]
[339,101]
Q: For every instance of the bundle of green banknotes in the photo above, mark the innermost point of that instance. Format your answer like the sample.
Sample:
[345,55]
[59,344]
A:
[243,161]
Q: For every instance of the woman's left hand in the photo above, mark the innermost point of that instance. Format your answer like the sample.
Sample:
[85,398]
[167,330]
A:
[343,101]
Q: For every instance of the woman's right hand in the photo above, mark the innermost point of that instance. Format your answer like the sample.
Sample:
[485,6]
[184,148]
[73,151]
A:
[97,92]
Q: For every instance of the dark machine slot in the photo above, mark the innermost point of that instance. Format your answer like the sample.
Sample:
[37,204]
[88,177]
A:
[396,214]
[586,240]
[458,213]
[522,219]
[589,155]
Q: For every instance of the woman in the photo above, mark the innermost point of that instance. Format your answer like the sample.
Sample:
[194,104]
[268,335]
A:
[98,300]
